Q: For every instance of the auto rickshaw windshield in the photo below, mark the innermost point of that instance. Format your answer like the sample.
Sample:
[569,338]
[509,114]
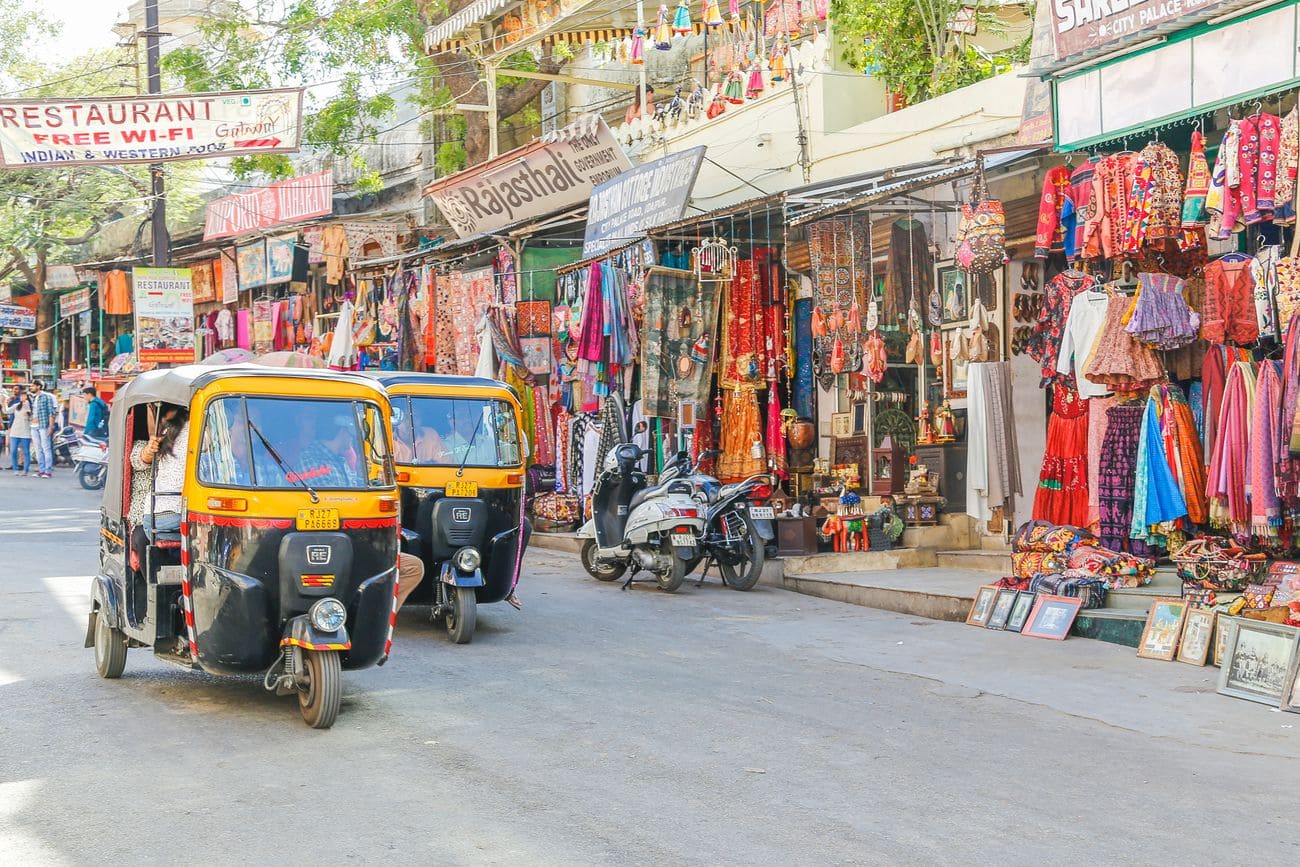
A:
[277,442]
[450,432]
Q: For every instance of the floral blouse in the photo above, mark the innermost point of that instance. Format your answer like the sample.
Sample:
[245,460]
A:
[1044,344]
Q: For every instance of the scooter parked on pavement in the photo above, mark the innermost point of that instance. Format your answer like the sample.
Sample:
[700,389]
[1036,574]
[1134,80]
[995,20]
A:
[91,457]
[640,526]
[64,441]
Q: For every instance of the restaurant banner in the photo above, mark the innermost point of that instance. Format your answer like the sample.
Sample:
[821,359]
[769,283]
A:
[1083,25]
[148,129]
[537,179]
[649,195]
[74,303]
[14,316]
[276,205]
[164,314]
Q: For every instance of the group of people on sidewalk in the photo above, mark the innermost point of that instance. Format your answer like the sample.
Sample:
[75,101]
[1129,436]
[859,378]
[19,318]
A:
[31,415]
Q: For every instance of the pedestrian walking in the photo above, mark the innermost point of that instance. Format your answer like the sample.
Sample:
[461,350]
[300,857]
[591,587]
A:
[19,409]
[45,415]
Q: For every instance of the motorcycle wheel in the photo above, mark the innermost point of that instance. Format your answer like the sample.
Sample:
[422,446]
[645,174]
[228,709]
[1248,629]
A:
[744,574]
[672,579]
[601,571]
[91,476]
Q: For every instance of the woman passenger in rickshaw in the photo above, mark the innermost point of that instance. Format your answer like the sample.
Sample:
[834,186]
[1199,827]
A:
[160,457]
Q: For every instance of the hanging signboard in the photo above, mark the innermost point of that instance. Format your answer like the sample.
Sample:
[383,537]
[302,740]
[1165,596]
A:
[13,316]
[164,314]
[74,303]
[61,277]
[650,195]
[540,178]
[277,205]
[148,129]
[1083,25]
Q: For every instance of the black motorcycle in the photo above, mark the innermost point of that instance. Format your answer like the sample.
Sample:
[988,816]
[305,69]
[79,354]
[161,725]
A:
[736,531]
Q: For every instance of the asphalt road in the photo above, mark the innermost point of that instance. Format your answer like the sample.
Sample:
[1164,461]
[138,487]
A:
[598,726]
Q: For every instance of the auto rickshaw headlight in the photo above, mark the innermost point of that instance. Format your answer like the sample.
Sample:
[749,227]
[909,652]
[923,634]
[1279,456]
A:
[467,559]
[328,615]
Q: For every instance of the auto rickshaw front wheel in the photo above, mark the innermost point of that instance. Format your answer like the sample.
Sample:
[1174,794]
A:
[322,693]
[463,615]
[110,647]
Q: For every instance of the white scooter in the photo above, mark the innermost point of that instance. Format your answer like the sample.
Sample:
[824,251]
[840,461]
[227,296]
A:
[655,528]
[91,459]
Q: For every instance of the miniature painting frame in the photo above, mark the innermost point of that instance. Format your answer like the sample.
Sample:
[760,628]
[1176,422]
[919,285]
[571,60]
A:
[842,424]
[1223,627]
[956,372]
[1001,609]
[1258,658]
[1198,636]
[954,295]
[1019,615]
[1164,628]
[1052,616]
[1291,687]
[982,605]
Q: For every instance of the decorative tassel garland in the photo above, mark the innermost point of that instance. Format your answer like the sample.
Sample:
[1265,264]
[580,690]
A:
[682,20]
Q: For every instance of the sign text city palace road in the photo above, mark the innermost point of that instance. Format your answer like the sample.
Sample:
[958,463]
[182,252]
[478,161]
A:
[148,129]
[1081,25]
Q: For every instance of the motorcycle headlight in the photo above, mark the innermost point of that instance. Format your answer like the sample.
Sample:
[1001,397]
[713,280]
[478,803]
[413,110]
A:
[328,615]
[467,559]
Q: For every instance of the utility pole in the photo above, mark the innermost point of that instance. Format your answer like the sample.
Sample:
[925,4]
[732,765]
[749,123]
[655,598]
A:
[158,221]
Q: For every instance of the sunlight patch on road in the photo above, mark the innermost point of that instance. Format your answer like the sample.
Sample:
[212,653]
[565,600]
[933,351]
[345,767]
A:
[72,592]
[8,677]
[17,844]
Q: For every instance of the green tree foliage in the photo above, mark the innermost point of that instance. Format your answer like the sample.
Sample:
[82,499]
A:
[912,47]
[350,54]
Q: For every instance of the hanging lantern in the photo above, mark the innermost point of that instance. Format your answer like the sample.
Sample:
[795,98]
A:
[712,14]
[682,19]
[663,33]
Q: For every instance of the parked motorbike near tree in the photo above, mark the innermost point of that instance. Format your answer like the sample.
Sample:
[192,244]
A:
[635,525]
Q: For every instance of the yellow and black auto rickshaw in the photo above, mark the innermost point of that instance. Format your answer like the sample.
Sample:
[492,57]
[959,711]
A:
[284,561]
[460,468]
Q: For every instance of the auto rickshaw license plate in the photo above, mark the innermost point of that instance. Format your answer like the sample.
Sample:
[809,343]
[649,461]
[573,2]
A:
[318,519]
[462,489]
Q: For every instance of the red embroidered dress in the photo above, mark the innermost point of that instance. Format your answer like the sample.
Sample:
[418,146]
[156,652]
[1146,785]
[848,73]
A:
[1062,495]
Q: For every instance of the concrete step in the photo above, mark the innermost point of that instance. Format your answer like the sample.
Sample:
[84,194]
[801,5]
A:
[938,594]
[556,542]
[859,561]
[998,562]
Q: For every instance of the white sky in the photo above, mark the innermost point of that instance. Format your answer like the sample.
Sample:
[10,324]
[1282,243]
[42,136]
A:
[87,24]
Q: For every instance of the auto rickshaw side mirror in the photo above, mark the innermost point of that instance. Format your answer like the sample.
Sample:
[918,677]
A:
[525,446]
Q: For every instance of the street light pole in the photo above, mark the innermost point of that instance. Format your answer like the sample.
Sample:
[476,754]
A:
[158,221]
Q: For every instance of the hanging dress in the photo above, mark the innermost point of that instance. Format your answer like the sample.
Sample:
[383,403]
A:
[1116,474]
[1118,359]
[1062,495]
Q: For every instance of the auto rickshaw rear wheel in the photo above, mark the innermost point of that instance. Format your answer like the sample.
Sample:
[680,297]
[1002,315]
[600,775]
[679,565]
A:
[598,569]
[463,616]
[110,648]
[319,698]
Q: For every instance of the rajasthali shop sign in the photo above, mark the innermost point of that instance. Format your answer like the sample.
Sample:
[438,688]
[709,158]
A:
[541,180]
[148,129]
[276,205]
[650,195]
[164,314]
[16,316]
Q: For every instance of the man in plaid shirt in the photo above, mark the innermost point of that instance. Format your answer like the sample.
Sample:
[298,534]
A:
[45,415]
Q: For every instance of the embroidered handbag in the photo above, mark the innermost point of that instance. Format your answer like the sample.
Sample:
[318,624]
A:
[982,231]
[1258,596]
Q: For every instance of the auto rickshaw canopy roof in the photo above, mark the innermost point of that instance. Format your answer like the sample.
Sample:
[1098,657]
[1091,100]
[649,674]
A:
[394,380]
[178,385]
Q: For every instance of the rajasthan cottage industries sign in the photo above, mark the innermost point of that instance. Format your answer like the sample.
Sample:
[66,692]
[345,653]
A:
[649,195]
[543,179]
[148,129]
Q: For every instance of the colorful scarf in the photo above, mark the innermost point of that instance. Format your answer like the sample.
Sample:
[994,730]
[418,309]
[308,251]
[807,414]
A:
[1227,480]
[1265,505]
[775,434]
[1156,497]
[1188,460]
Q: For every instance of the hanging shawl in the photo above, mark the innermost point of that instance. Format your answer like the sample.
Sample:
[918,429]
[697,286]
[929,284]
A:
[486,367]
[590,341]
[1265,505]
[775,435]
[1213,376]
[1227,479]
[1288,433]
[1187,460]
[506,343]
[341,350]
[1156,498]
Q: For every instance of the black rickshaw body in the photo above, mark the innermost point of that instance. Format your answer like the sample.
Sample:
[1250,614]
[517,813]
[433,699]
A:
[256,550]
[460,497]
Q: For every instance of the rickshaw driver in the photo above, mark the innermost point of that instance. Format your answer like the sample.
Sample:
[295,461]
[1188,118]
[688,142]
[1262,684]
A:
[468,441]
[323,461]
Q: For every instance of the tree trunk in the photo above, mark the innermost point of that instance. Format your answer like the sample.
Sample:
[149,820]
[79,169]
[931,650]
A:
[44,306]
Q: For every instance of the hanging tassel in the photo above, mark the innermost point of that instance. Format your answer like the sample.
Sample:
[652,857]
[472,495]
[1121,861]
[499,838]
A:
[663,33]
[712,14]
[682,20]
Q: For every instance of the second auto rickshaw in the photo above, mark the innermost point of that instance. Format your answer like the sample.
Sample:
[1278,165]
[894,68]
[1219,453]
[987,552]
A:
[460,469]
[279,550]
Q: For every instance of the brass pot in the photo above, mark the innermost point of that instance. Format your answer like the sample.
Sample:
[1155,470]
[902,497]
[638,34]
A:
[803,433]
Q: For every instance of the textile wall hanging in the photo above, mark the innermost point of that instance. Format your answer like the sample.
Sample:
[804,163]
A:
[201,279]
[446,287]
[534,323]
[263,326]
[840,274]
[229,276]
[508,284]
[676,356]
[742,331]
[741,437]
[468,306]
[909,275]
[251,260]
[803,365]
[279,258]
